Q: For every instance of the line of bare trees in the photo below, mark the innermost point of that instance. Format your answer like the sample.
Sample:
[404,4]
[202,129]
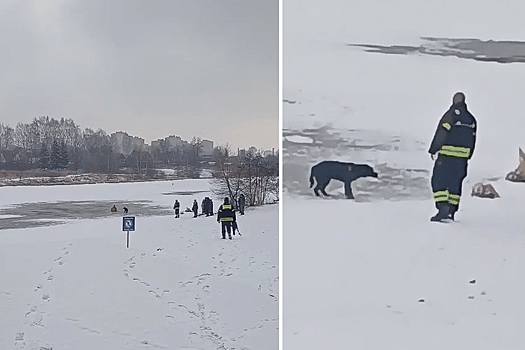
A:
[23,147]
[252,174]
[48,144]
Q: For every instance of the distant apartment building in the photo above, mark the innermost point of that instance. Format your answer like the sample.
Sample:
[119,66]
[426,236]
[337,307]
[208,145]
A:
[241,153]
[125,144]
[170,143]
[268,152]
[207,148]
[173,141]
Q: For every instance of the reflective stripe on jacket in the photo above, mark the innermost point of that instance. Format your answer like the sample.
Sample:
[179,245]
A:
[226,213]
[455,135]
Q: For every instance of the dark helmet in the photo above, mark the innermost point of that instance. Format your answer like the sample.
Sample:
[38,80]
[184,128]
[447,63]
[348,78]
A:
[226,200]
[458,97]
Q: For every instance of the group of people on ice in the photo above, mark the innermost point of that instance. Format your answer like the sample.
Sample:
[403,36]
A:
[115,210]
[207,206]
[226,214]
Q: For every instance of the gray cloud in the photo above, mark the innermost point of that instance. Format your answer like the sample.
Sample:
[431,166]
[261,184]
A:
[151,68]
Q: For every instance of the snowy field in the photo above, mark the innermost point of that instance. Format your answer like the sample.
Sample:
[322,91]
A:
[375,273]
[75,285]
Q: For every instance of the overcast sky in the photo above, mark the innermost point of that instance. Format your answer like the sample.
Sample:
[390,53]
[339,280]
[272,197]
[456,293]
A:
[152,68]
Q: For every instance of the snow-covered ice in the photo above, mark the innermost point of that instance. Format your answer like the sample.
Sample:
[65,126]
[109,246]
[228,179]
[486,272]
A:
[375,273]
[353,274]
[178,285]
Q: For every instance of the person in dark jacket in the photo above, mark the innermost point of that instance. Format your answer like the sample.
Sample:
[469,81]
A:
[207,206]
[453,143]
[204,206]
[176,207]
[209,211]
[242,202]
[114,209]
[195,208]
[211,207]
[226,216]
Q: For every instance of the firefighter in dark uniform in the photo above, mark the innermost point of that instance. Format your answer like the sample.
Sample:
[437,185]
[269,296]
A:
[176,207]
[226,216]
[454,143]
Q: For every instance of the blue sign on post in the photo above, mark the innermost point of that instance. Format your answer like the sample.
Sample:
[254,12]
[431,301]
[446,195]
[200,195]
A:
[128,224]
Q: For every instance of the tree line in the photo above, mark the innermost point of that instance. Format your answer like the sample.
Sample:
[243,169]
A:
[60,144]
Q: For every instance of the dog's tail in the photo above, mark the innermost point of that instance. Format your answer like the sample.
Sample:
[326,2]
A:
[312,177]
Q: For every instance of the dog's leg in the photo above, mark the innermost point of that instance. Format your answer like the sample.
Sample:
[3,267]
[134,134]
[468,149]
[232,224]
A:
[348,190]
[323,185]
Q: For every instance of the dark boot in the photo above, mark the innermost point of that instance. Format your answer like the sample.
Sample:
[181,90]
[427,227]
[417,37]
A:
[443,213]
[452,211]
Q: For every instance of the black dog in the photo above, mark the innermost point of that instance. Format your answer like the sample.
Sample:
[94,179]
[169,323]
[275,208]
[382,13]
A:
[345,172]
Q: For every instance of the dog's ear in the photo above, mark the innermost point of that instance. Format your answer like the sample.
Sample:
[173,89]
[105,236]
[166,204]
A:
[350,168]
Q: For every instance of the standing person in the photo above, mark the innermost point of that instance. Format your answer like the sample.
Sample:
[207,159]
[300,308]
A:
[242,202]
[203,206]
[207,206]
[454,143]
[226,215]
[176,207]
[211,207]
[195,208]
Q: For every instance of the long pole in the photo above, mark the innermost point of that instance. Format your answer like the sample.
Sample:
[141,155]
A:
[127,239]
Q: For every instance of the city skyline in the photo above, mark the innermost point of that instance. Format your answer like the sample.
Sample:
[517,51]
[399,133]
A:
[155,143]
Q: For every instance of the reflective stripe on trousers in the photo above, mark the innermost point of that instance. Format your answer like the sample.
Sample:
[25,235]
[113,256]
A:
[446,196]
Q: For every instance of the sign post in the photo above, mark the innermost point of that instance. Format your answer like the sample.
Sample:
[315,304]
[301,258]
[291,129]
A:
[128,224]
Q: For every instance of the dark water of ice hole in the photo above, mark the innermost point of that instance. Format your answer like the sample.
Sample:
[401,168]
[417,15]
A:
[27,215]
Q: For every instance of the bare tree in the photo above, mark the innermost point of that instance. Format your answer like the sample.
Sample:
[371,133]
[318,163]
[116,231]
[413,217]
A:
[23,136]
[7,135]
[196,150]
[226,174]
[255,176]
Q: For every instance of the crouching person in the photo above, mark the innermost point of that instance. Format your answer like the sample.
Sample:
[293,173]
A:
[226,216]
